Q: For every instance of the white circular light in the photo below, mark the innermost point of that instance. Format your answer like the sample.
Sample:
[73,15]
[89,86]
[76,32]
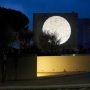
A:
[59,26]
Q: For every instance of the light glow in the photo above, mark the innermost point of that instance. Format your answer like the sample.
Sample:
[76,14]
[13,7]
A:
[44,74]
[59,26]
[56,65]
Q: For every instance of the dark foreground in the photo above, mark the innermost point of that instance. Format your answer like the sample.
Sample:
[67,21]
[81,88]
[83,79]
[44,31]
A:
[81,78]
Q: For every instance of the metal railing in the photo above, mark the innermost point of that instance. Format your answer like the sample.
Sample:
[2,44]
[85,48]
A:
[49,87]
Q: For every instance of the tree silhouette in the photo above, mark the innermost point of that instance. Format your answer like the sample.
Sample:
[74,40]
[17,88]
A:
[48,44]
[11,22]
[13,18]
[7,38]
[25,36]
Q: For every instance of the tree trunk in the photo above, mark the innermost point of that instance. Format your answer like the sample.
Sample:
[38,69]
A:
[18,47]
[4,69]
[16,64]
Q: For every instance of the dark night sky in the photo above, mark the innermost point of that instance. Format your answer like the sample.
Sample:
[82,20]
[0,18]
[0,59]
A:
[28,7]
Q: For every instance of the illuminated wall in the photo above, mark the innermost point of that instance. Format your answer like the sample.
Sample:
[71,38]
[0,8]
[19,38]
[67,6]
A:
[72,18]
[59,63]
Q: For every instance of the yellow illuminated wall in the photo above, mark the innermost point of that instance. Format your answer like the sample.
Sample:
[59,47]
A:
[61,63]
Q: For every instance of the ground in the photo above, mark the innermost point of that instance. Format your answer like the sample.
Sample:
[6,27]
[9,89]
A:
[60,79]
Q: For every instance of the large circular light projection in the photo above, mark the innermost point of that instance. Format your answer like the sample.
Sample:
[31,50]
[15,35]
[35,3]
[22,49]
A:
[59,26]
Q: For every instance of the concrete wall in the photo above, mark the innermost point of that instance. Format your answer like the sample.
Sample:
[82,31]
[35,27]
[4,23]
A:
[26,67]
[59,63]
[29,65]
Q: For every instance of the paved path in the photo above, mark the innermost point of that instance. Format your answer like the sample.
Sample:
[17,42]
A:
[55,74]
[84,86]
[79,78]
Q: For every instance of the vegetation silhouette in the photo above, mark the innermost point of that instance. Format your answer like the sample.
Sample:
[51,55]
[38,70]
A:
[48,44]
[13,29]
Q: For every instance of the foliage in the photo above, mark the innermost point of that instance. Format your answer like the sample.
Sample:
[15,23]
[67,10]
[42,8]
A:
[13,18]
[11,23]
[48,44]
[7,37]
[25,37]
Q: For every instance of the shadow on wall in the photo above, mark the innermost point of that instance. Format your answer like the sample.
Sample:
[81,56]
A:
[24,70]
